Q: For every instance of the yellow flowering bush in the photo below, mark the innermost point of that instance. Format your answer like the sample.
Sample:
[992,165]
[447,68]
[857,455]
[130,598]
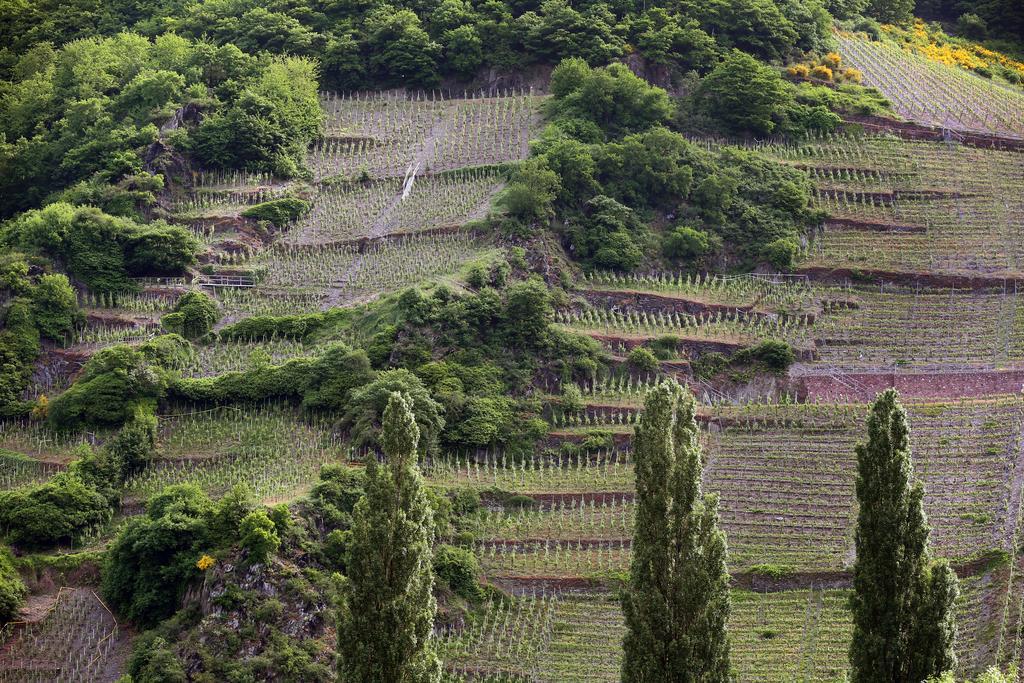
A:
[205,562]
[41,409]
[852,75]
[832,60]
[799,71]
[823,72]
[955,52]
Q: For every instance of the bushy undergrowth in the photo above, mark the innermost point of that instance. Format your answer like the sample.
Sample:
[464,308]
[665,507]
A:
[80,116]
[604,182]
[194,316]
[280,212]
[100,250]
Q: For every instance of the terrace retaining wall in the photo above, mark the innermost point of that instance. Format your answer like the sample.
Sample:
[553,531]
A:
[972,384]
[918,131]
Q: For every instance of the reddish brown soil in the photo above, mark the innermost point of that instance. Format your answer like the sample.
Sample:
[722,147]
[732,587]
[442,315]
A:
[876,226]
[945,385]
[110,319]
[917,131]
[925,279]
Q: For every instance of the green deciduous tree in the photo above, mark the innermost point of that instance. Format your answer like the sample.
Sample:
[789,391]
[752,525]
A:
[677,602]
[258,535]
[12,588]
[745,95]
[154,555]
[388,606]
[364,414]
[890,11]
[903,621]
[401,52]
[614,98]
[55,307]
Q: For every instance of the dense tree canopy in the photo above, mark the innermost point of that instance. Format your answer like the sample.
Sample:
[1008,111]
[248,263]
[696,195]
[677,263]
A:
[903,601]
[388,607]
[86,110]
[677,602]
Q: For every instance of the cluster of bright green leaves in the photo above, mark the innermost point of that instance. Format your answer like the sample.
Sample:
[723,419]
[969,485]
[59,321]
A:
[374,44]
[606,163]
[86,111]
[100,250]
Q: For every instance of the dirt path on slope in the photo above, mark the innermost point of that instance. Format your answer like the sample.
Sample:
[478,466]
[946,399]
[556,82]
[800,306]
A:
[424,155]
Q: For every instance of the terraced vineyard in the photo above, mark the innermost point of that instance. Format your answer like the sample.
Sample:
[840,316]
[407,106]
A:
[303,279]
[913,205]
[351,211]
[785,477]
[842,328]
[935,94]
[398,181]
[392,135]
[72,643]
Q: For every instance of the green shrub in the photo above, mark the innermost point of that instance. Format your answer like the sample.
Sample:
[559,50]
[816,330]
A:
[970,25]
[685,243]
[12,588]
[745,95]
[773,354]
[774,571]
[112,385]
[458,569]
[335,548]
[195,314]
[572,398]
[532,191]
[55,307]
[709,364]
[338,371]
[782,253]
[132,449]
[612,98]
[301,326]
[153,661]
[280,212]
[258,383]
[259,536]
[642,359]
[666,347]
[43,515]
[336,494]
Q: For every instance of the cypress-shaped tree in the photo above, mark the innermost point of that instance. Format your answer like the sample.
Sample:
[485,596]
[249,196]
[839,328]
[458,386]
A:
[388,606]
[903,621]
[677,601]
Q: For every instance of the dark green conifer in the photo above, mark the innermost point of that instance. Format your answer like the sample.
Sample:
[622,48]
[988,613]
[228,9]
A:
[388,606]
[677,602]
[903,621]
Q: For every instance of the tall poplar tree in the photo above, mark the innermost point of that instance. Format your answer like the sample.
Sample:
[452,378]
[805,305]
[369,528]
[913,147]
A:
[677,602]
[388,606]
[903,620]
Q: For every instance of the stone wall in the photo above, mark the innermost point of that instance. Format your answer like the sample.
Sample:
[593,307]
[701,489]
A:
[827,389]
